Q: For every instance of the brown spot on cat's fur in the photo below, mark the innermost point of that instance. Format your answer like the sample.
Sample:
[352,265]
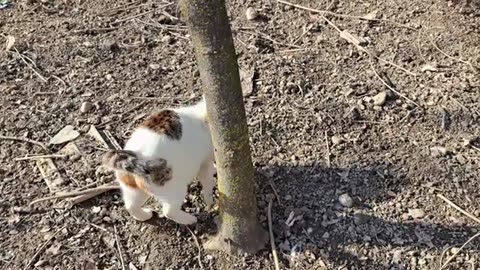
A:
[135,171]
[165,122]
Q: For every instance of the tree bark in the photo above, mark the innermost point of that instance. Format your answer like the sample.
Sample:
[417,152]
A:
[211,35]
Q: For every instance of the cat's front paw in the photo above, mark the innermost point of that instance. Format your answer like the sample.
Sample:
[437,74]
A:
[143,214]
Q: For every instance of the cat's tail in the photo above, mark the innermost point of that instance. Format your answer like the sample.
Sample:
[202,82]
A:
[152,170]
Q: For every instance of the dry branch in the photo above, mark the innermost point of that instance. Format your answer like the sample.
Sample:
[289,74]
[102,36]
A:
[458,251]
[20,139]
[199,256]
[40,157]
[390,87]
[365,18]
[119,248]
[458,208]
[41,249]
[272,238]
[96,191]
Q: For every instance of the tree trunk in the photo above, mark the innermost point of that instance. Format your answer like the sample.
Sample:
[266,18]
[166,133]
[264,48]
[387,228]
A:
[217,61]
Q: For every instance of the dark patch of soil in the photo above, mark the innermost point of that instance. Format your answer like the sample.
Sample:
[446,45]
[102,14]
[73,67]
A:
[316,132]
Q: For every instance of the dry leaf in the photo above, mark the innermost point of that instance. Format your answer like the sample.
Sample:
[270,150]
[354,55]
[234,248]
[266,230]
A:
[9,43]
[68,133]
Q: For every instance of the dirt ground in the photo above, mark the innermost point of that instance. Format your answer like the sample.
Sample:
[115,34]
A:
[356,146]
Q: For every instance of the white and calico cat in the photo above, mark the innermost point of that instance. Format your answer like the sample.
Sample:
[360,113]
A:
[163,155]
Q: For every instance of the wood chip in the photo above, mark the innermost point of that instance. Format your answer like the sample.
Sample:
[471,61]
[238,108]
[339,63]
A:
[246,78]
[9,43]
[50,173]
[93,131]
[112,140]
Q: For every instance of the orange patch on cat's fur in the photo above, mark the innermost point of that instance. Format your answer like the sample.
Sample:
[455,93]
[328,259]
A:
[131,180]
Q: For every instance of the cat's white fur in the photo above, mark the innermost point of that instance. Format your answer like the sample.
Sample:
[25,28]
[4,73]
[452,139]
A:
[190,157]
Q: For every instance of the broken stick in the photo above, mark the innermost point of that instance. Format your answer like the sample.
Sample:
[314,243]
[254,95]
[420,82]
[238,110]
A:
[96,191]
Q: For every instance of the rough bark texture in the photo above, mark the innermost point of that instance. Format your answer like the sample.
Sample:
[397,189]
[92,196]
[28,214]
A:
[212,38]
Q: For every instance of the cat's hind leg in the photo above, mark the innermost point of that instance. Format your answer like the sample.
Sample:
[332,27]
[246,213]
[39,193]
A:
[206,178]
[171,197]
[134,199]
[173,211]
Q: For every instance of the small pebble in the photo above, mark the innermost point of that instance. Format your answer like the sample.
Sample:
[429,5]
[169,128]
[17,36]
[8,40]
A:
[85,107]
[360,218]
[111,45]
[336,140]
[380,99]
[154,66]
[397,256]
[438,151]
[166,39]
[345,200]
[251,14]
[416,213]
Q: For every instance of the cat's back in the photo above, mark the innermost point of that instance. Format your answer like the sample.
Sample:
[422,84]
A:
[171,133]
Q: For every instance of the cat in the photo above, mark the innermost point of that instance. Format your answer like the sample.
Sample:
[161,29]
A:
[163,155]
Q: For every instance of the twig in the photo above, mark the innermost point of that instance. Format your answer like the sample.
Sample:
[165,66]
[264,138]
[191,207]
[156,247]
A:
[20,139]
[122,116]
[103,188]
[94,30]
[267,37]
[460,249]
[199,256]
[40,157]
[60,80]
[390,87]
[141,14]
[112,140]
[164,26]
[118,247]
[272,239]
[447,55]
[319,11]
[328,150]
[81,198]
[30,66]
[123,7]
[41,249]
[458,208]
[275,192]
[363,49]
[99,227]
[305,32]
